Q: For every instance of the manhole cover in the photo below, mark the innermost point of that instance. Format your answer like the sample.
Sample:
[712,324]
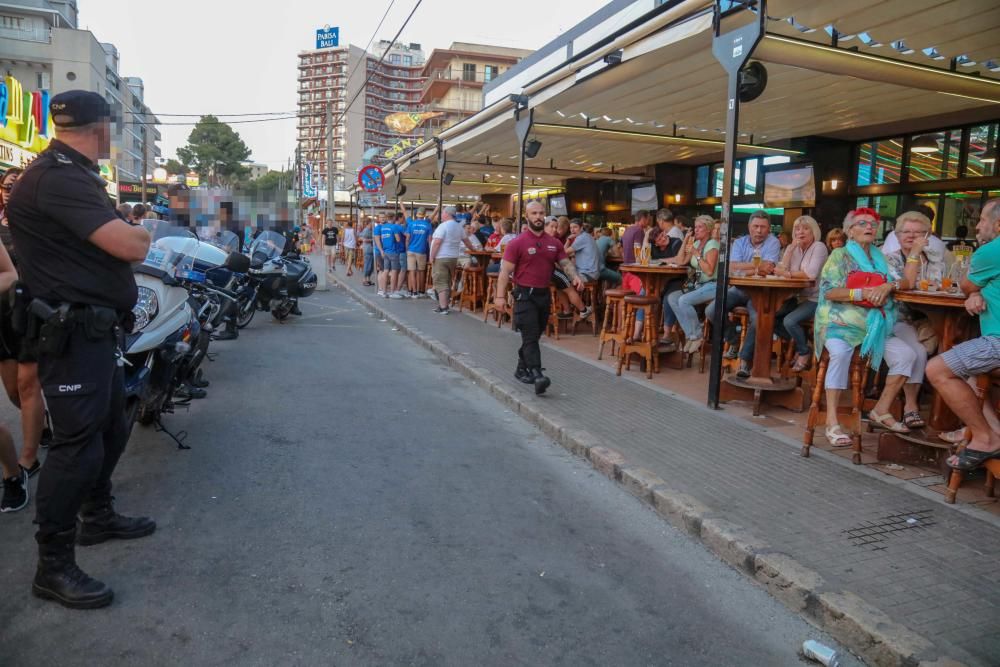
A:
[873,534]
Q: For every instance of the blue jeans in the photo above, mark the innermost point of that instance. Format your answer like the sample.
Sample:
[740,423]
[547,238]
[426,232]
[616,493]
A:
[734,297]
[613,278]
[683,303]
[789,319]
[669,318]
[369,264]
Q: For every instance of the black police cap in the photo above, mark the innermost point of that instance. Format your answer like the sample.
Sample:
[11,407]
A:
[78,107]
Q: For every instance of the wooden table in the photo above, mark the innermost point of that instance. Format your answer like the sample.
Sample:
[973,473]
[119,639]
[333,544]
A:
[767,295]
[655,277]
[482,256]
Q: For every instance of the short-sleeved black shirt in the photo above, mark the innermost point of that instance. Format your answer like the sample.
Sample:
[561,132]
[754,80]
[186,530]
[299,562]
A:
[57,203]
[330,235]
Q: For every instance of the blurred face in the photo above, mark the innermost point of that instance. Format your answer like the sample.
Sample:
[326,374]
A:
[644,222]
[909,233]
[986,229]
[701,231]
[574,229]
[863,230]
[803,235]
[759,229]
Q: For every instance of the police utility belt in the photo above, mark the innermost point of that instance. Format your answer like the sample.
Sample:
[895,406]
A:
[521,293]
[51,324]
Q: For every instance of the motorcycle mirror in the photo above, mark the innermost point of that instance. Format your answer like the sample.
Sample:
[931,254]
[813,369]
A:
[237,262]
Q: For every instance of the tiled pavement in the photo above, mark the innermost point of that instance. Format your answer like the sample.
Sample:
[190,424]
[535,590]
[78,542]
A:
[927,566]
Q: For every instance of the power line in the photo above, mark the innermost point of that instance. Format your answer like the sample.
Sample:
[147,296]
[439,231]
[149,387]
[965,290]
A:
[370,40]
[217,115]
[231,122]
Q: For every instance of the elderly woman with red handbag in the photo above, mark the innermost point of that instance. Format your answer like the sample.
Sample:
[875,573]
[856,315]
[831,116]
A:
[855,309]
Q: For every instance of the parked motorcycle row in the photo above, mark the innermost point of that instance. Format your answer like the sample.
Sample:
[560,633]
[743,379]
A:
[192,290]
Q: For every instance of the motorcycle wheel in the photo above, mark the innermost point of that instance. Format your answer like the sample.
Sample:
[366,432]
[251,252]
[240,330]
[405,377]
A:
[246,313]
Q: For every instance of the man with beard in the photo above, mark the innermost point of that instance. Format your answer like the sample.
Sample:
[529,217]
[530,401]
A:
[532,258]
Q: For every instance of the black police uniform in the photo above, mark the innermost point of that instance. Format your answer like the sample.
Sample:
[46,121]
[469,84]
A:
[59,202]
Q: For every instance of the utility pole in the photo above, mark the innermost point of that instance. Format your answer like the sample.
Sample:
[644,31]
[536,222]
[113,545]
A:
[331,211]
[145,166]
[297,176]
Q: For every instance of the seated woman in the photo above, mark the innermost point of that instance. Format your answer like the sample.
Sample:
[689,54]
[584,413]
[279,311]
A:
[667,248]
[915,257]
[849,317]
[505,228]
[701,251]
[804,258]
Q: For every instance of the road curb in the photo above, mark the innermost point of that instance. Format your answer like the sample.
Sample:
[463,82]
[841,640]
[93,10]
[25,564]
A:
[862,628]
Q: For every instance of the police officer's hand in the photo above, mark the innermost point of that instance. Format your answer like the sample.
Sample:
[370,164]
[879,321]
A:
[578,283]
[500,301]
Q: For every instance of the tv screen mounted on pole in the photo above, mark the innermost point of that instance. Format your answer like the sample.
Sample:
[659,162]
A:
[644,197]
[790,186]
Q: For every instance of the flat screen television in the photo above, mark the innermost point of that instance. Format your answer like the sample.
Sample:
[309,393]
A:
[644,197]
[557,205]
[790,186]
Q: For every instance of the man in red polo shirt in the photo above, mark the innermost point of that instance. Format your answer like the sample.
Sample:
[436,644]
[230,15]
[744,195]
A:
[531,258]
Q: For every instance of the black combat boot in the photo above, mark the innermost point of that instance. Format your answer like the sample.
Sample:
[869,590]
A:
[231,332]
[541,382]
[522,374]
[99,522]
[59,578]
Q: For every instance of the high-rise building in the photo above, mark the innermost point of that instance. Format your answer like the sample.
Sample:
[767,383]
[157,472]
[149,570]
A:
[454,79]
[331,79]
[41,46]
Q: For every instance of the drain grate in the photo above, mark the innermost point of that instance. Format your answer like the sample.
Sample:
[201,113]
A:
[873,534]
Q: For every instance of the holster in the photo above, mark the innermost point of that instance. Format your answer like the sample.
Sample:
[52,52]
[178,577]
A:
[54,326]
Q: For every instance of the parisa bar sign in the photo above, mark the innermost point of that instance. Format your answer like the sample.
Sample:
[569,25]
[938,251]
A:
[327,37]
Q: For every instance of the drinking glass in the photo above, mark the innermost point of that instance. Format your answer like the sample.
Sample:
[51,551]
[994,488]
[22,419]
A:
[755,260]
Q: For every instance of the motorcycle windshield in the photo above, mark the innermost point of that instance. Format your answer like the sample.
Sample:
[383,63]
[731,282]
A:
[267,246]
[172,249]
[224,240]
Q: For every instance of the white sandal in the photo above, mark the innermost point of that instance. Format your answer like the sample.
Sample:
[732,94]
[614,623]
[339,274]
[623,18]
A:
[887,422]
[837,438]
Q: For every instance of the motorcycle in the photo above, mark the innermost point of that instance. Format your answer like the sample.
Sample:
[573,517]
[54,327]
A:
[281,280]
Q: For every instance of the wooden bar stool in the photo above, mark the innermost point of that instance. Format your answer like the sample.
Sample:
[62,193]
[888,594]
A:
[741,316]
[817,413]
[646,345]
[429,275]
[472,287]
[613,326]
[589,296]
[553,325]
[490,307]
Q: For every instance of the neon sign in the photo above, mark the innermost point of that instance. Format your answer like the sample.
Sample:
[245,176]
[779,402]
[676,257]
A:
[24,116]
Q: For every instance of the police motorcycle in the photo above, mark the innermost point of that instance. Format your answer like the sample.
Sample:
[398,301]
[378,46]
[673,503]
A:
[281,280]
[165,325]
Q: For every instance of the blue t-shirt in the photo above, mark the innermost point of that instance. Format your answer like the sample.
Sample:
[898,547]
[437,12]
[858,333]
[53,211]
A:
[420,234]
[388,234]
[770,250]
[377,232]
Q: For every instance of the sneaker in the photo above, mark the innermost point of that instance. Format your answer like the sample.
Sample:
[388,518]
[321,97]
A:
[586,312]
[442,311]
[565,316]
[15,493]
[430,292]
[744,370]
[414,295]
[732,353]
[32,470]
[395,295]
[381,292]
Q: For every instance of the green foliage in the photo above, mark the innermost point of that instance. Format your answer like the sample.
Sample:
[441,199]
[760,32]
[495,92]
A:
[174,167]
[215,151]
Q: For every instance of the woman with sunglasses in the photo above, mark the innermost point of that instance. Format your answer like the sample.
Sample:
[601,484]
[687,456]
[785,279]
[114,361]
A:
[856,309]
[18,363]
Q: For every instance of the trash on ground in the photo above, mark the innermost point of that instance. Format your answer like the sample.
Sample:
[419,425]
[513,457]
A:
[821,653]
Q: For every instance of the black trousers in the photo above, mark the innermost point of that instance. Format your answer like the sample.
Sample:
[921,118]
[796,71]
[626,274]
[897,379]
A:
[531,314]
[85,392]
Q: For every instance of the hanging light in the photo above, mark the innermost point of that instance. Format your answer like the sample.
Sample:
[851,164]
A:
[925,143]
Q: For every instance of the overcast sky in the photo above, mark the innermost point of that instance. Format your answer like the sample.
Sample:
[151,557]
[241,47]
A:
[240,56]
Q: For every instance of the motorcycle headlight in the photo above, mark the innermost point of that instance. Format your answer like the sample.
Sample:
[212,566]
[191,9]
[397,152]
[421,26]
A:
[145,308]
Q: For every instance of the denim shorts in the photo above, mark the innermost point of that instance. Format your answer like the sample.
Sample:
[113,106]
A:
[391,262]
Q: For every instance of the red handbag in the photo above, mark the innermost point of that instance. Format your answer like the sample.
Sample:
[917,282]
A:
[864,280]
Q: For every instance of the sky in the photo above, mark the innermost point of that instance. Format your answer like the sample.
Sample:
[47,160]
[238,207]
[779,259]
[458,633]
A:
[240,56]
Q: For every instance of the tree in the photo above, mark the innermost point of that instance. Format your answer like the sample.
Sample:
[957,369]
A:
[272,180]
[215,151]
[176,168]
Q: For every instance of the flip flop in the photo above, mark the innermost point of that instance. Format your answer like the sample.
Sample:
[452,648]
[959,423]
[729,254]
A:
[970,459]
[956,436]
[913,420]
[883,421]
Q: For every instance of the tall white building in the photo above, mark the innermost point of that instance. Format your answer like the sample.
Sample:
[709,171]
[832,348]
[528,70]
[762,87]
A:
[41,46]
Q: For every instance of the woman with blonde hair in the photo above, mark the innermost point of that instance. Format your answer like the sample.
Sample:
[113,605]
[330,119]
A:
[804,258]
[701,251]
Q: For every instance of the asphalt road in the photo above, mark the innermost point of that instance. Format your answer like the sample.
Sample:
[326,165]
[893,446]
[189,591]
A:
[348,500]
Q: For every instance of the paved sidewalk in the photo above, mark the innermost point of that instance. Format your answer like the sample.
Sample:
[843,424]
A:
[900,577]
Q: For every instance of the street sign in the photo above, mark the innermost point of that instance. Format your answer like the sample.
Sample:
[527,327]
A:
[327,37]
[369,199]
[371,178]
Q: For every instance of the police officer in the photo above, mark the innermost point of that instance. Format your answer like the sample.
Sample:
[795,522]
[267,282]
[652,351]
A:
[75,251]
[531,258]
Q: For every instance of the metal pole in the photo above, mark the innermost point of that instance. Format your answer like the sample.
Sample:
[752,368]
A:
[298,186]
[732,50]
[330,210]
[442,159]
[145,166]
[521,127]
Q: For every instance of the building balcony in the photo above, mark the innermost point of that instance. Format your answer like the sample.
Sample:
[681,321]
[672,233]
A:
[39,33]
[465,108]
[440,80]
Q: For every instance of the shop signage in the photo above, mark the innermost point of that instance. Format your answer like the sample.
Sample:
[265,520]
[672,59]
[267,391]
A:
[13,155]
[192,180]
[327,37]
[401,147]
[24,116]
[308,184]
[127,188]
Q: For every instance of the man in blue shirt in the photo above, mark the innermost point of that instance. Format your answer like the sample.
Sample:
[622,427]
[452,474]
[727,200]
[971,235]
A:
[759,241]
[391,238]
[377,245]
[418,236]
